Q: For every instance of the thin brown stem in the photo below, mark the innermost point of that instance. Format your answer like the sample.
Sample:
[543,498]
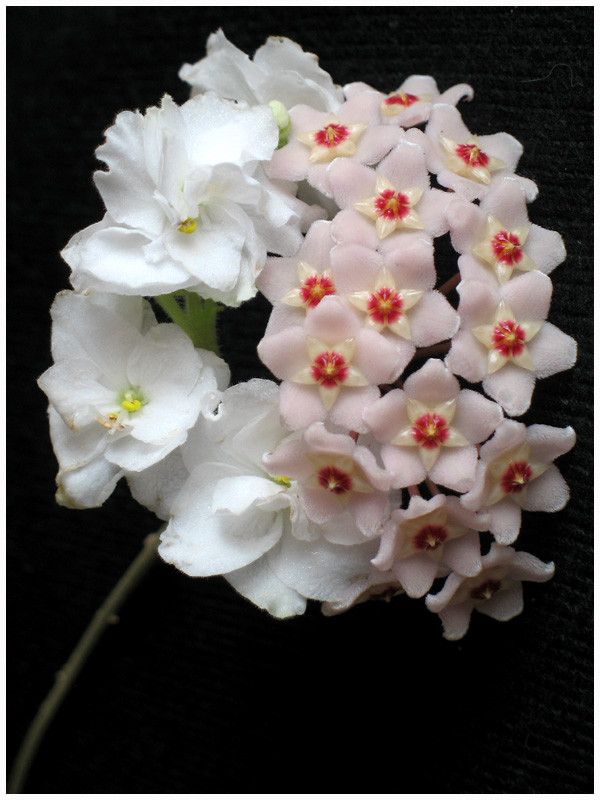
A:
[440,349]
[414,491]
[66,677]
[451,284]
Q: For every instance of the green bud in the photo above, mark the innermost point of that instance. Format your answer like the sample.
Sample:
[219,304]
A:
[283,120]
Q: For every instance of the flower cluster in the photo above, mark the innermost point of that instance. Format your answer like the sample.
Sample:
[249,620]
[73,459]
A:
[325,486]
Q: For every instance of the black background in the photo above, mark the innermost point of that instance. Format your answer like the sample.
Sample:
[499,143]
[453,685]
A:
[196,690]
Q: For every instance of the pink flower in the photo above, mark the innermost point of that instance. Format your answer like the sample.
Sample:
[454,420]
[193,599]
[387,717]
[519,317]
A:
[392,295]
[515,471]
[498,236]
[331,366]
[337,479]
[431,428]
[315,139]
[504,341]
[469,164]
[496,591]
[430,535]
[388,201]
[297,285]
[412,102]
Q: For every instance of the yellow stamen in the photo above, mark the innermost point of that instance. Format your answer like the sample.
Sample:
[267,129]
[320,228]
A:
[187,226]
[282,480]
[128,405]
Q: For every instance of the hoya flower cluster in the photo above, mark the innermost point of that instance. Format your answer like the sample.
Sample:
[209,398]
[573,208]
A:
[366,470]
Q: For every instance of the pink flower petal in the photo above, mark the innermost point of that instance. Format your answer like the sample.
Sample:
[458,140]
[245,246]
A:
[476,418]
[405,465]
[552,351]
[350,182]
[405,166]
[512,387]
[467,357]
[432,384]
[505,521]
[347,411]
[432,320]
[505,604]
[285,352]
[526,567]
[416,574]
[546,248]
[455,468]
[548,443]
[352,226]
[549,492]
[300,406]
[455,620]
[385,417]
[529,295]
[463,555]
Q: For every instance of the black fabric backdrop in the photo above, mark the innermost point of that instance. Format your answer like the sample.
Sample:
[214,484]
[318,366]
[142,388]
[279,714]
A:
[195,690]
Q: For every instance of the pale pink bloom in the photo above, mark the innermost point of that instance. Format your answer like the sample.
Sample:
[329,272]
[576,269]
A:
[412,102]
[393,295]
[497,234]
[330,366]
[496,592]
[353,132]
[504,340]
[431,428]
[392,199]
[297,285]
[515,472]
[470,165]
[429,539]
[337,480]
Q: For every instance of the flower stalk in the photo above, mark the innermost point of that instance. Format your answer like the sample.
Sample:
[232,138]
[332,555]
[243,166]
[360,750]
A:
[68,674]
[196,316]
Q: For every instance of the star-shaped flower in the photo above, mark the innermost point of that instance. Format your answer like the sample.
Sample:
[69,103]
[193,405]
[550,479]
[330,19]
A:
[385,306]
[497,591]
[515,471]
[469,160]
[431,427]
[498,234]
[429,538]
[502,249]
[330,368]
[506,339]
[391,208]
[412,102]
[468,164]
[333,140]
[312,287]
[430,430]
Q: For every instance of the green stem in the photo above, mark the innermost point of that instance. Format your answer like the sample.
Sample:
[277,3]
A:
[198,318]
[66,677]
[202,321]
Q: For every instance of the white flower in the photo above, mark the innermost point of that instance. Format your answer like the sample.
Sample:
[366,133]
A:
[188,204]
[124,391]
[280,70]
[233,518]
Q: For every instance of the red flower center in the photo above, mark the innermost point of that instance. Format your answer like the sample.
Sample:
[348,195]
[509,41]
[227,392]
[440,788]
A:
[385,305]
[315,288]
[507,248]
[508,338]
[430,431]
[332,135]
[517,475]
[329,369]
[472,155]
[430,537]
[485,590]
[392,205]
[334,480]
[401,99]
